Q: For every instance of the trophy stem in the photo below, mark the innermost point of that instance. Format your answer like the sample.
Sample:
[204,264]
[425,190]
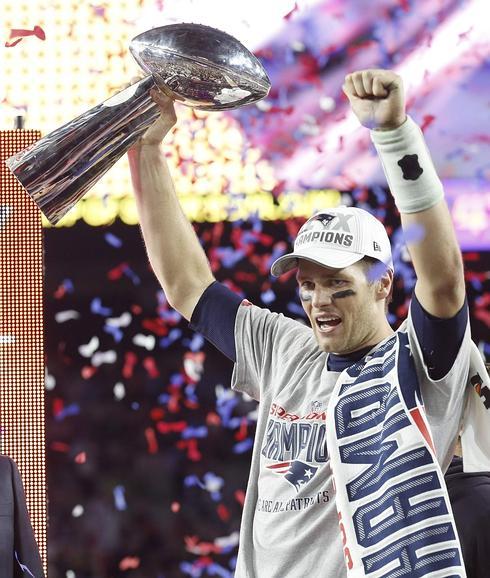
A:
[61,167]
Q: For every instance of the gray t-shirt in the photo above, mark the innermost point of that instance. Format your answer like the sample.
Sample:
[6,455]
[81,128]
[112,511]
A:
[290,523]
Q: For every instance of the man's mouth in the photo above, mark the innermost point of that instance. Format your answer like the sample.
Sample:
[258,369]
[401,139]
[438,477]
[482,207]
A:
[328,323]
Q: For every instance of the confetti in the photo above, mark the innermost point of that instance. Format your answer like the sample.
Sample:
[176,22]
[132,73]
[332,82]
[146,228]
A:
[129,563]
[64,316]
[89,349]
[143,421]
[77,511]
[19,34]
[113,240]
[120,498]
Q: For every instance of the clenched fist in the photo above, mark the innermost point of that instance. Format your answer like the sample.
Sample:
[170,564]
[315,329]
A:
[376,98]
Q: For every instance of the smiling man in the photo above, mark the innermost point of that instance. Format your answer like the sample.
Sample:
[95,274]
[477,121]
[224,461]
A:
[348,399]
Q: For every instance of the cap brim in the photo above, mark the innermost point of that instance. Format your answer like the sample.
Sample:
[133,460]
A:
[331,258]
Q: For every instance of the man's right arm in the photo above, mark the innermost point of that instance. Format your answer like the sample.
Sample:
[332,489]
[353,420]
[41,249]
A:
[175,253]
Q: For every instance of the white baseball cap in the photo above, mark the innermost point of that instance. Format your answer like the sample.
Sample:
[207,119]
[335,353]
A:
[338,238]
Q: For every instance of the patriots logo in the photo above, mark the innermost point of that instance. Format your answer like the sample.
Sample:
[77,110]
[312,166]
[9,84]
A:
[296,473]
[324,218]
[410,167]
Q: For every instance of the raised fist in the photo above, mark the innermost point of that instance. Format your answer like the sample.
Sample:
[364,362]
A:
[376,98]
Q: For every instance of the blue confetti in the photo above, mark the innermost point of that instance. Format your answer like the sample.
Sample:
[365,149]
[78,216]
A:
[116,332]
[295,309]
[97,308]
[119,498]
[195,432]
[113,240]
[72,409]
[268,296]
[173,335]
[131,275]
[196,342]
[217,570]
[242,447]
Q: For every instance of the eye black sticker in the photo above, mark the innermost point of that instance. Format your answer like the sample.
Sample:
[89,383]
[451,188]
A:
[410,167]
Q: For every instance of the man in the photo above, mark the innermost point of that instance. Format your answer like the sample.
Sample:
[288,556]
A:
[470,501]
[346,397]
[469,493]
[19,554]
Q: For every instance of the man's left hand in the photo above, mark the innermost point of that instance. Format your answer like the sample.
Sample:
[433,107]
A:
[376,98]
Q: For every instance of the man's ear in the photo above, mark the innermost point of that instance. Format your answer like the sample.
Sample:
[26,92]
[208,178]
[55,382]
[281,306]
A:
[384,285]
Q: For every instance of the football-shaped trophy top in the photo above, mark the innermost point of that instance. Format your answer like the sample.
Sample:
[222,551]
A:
[201,66]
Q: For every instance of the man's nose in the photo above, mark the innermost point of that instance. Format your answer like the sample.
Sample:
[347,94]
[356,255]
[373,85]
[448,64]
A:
[321,297]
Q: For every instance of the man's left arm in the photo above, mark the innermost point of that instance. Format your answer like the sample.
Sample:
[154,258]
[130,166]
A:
[377,98]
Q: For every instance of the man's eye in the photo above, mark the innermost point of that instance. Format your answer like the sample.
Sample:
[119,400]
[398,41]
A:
[307,285]
[338,282]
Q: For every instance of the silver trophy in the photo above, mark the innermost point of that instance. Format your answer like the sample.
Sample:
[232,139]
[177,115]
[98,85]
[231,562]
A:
[196,65]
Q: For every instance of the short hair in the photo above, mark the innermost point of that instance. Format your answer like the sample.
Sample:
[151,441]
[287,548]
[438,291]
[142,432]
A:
[374,270]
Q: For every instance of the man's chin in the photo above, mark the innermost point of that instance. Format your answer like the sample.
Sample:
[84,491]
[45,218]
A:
[328,345]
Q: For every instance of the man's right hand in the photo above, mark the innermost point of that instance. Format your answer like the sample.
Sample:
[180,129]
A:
[175,252]
[159,129]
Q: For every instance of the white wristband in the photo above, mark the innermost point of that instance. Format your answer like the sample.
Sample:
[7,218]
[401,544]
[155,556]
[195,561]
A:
[409,170]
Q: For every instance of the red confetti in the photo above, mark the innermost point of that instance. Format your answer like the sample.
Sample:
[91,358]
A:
[241,434]
[130,360]
[279,188]
[471,256]
[193,545]
[129,563]
[151,440]
[60,447]
[151,367]
[285,110]
[175,396]
[157,413]
[482,309]
[405,5]
[189,404]
[213,418]
[223,512]
[20,33]
[206,561]
[156,326]
[176,426]
[88,371]
[240,497]
[58,406]
[427,121]
[117,272]
[244,277]
[290,14]
[361,46]
[193,452]
[60,292]
[81,458]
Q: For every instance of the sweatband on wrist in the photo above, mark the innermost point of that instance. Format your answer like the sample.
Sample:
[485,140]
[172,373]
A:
[408,168]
